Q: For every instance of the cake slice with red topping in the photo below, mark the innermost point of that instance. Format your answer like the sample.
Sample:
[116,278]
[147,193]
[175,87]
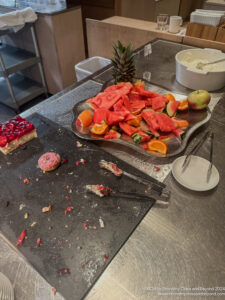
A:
[15,133]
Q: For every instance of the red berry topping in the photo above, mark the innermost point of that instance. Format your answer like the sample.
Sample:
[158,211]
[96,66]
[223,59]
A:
[13,129]
[3,140]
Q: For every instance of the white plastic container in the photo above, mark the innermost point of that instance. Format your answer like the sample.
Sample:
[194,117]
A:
[89,66]
[189,76]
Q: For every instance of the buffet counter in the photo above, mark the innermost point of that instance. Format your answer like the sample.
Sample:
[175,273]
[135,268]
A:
[177,248]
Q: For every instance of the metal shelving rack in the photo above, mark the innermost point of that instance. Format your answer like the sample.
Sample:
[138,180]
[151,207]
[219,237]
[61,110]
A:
[15,88]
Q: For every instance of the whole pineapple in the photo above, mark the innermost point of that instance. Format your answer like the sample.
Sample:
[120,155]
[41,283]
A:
[123,63]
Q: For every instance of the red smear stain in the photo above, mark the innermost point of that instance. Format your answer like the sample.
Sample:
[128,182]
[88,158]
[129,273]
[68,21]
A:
[6,204]
[59,243]
[81,161]
[67,187]
[39,243]
[53,291]
[157,169]
[85,224]
[134,191]
[64,161]
[26,180]
[21,238]
[68,209]
[64,271]
[83,266]
[105,257]
[67,197]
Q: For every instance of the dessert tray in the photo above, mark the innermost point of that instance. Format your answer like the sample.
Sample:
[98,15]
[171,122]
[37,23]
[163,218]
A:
[175,145]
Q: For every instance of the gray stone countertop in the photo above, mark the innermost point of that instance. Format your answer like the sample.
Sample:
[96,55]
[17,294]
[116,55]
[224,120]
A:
[178,250]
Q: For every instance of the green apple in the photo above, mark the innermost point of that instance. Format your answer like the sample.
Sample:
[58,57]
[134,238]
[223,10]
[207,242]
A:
[199,99]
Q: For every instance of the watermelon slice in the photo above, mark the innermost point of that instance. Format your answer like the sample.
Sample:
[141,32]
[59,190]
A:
[158,103]
[140,137]
[130,117]
[165,123]
[153,131]
[114,117]
[141,90]
[171,107]
[123,88]
[134,96]
[150,118]
[112,134]
[105,100]
[100,114]
[126,87]
[92,105]
[118,106]
[112,88]
[178,132]
[165,138]
[148,102]
[128,129]
[126,103]
[137,106]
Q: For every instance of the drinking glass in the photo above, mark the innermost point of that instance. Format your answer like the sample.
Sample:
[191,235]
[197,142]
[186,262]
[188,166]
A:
[162,20]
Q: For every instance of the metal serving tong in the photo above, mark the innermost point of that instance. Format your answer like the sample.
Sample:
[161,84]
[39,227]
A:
[187,160]
[210,157]
[155,186]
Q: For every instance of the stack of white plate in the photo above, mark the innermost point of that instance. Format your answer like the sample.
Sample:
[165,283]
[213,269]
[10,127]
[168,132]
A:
[207,17]
[6,289]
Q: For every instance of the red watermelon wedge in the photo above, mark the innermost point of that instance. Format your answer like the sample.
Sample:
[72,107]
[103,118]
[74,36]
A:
[112,134]
[114,117]
[150,118]
[165,123]
[123,88]
[134,96]
[118,106]
[158,103]
[137,106]
[171,107]
[128,129]
[143,92]
[100,114]
[105,100]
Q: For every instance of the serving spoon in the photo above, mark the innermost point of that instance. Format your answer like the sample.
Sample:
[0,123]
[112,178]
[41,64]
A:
[201,65]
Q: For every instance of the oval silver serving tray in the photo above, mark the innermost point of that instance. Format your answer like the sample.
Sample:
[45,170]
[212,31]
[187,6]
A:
[175,146]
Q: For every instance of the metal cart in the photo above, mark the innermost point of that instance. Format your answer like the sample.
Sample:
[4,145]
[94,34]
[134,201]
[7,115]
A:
[15,88]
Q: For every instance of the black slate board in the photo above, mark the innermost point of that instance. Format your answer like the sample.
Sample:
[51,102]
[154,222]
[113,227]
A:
[68,244]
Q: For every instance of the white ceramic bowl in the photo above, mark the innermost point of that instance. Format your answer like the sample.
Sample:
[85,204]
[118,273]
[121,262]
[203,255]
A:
[211,78]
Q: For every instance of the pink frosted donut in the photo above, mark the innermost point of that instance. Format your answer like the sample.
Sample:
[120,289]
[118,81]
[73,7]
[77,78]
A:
[49,161]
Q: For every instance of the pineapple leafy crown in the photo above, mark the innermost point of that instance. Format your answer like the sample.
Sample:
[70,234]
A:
[123,63]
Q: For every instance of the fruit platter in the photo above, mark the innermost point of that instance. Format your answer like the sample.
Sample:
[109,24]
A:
[150,123]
